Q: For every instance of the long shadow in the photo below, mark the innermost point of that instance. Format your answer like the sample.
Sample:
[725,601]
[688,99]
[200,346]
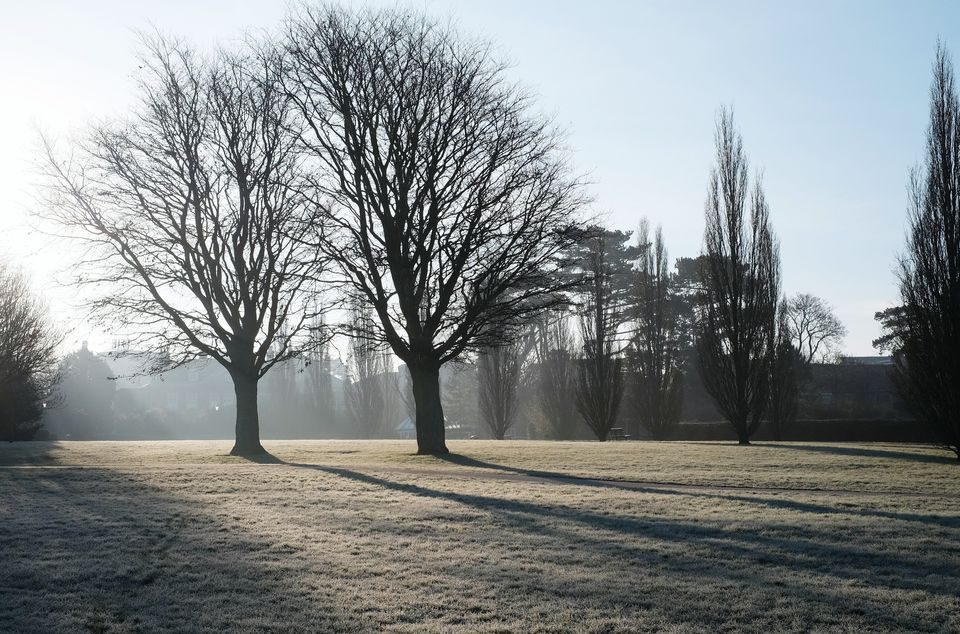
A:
[811,568]
[627,525]
[828,448]
[264,457]
[466,461]
[95,550]
[805,507]
[867,452]
[174,568]
[31,452]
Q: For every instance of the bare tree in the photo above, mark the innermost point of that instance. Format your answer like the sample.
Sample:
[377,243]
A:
[319,399]
[556,375]
[600,380]
[928,359]
[195,222]
[813,328]
[366,391]
[452,200]
[741,279]
[500,372]
[654,355]
[28,363]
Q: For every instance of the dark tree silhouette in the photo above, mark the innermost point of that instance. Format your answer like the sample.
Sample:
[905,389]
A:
[194,220]
[605,259]
[556,376]
[741,285]
[686,300]
[319,400]
[927,363]
[785,367]
[892,324]
[500,371]
[654,356]
[814,329]
[28,365]
[452,199]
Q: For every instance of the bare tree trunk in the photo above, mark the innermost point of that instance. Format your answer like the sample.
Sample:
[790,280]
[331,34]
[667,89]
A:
[248,417]
[429,421]
[743,433]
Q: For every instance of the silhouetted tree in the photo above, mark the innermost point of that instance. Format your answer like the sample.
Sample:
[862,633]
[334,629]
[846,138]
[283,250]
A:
[452,199]
[28,366]
[814,329]
[195,221]
[785,368]
[686,301]
[653,355]
[87,390]
[366,390]
[606,260]
[892,324]
[500,371]
[556,376]
[927,364]
[319,399]
[741,285]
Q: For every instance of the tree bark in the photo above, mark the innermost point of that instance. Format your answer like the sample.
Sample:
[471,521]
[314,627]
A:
[247,441]
[431,436]
[743,437]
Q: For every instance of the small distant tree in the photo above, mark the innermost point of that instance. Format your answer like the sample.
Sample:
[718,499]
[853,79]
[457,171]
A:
[927,363]
[195,222]
[785,369]
[741,286]
[654,355]
[814,329]
[319,400]
[28,364]
[87,392]
[556,376]
[500,371]
[600,381]
[366,390]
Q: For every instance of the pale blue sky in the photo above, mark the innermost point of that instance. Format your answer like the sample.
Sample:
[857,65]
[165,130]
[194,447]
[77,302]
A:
[831,98]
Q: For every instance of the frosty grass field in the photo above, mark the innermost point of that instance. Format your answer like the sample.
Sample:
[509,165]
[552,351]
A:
[505,536]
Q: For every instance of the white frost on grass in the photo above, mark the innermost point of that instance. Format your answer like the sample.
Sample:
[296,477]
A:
[354,536]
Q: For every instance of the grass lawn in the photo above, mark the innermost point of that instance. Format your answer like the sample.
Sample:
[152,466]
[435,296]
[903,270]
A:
[505,536]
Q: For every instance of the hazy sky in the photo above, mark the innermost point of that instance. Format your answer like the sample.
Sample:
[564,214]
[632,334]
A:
[831,98]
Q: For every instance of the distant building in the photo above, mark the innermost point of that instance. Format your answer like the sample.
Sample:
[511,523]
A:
[856,388]
[872,360]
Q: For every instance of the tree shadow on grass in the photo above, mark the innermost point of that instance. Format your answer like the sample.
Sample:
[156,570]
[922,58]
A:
[868,452]
[613,522]
[684,490]
[466,461]
[264,457]
[769,555]
[853,451]
[28,453]
[95,550]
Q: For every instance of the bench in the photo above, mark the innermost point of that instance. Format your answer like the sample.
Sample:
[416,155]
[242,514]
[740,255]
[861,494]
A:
[617,433]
